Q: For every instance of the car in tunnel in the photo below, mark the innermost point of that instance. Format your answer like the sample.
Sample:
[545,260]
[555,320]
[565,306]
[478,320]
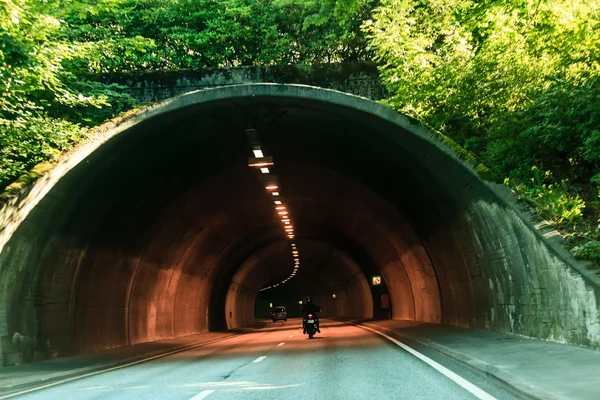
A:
[279,314]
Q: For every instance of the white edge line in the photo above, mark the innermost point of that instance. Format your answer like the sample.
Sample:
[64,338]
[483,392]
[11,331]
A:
[459,380]
[202,395]
[281,344]
[259,359]
[8,396]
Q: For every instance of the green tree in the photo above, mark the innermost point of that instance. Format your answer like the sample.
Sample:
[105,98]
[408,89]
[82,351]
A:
[194,34]
[43,105]
[516,82]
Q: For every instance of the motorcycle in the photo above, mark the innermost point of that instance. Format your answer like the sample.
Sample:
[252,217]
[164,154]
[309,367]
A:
[311,326]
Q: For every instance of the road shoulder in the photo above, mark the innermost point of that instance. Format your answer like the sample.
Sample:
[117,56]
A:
[533,369]
[31,376]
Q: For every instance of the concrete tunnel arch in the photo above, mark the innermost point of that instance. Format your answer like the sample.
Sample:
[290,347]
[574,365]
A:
[138,234]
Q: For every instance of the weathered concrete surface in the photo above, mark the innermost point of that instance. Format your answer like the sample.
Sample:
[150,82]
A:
[138,235]
[361,79]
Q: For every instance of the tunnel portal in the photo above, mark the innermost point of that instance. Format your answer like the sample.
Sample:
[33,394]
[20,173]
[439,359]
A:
[158,228]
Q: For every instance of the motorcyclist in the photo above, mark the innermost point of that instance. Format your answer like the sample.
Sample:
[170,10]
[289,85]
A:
[310,308]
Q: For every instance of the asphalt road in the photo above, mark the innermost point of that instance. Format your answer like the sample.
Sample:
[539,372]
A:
[343,362]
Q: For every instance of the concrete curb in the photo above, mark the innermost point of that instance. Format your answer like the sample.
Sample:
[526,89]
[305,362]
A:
[55,379]
[515,384]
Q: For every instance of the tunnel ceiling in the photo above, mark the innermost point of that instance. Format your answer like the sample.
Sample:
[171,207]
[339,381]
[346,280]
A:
[156,231]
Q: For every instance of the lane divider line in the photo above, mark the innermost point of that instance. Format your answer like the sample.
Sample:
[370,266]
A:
[259,359]
[202,395]
[280,344]
[459,380]
[22,392]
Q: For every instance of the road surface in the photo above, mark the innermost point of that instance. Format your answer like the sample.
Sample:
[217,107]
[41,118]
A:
[279,362]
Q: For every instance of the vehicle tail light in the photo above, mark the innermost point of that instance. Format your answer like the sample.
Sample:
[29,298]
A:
[309,315]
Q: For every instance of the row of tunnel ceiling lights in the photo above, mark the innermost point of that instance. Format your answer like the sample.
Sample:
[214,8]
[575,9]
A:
[271,183]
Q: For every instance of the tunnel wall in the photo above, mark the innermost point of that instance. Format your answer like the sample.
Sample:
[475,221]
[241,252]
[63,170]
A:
[241,295]
[390,240]
[490,266]
[361,79]
[352,281]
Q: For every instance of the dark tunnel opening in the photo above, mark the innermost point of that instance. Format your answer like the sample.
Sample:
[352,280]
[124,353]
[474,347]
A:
[164,230]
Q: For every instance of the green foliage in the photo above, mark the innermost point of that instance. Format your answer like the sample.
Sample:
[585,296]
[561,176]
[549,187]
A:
[194,34]
[25,142]
[588,251]
[559,128]
[43,103]
[515,82]
[553,202]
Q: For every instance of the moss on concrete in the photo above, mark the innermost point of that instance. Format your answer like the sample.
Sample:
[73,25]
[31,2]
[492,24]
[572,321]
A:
[25,180]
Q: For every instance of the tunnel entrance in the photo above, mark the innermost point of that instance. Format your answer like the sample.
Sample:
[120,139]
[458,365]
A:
[159,229]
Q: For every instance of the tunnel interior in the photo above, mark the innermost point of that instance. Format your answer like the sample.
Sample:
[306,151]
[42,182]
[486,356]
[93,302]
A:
[184,217]
[165,230]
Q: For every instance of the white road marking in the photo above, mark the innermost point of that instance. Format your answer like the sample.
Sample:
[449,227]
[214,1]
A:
[93,387]
[213,384]
[193,346]
[136,387]
[261,386]
[280,344]
[259,359]
[202,395]
[459,380]
[291,336]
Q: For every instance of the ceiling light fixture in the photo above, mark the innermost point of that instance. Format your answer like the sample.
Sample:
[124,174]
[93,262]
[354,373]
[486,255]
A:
[270,182]
[258,153]
[260,164]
